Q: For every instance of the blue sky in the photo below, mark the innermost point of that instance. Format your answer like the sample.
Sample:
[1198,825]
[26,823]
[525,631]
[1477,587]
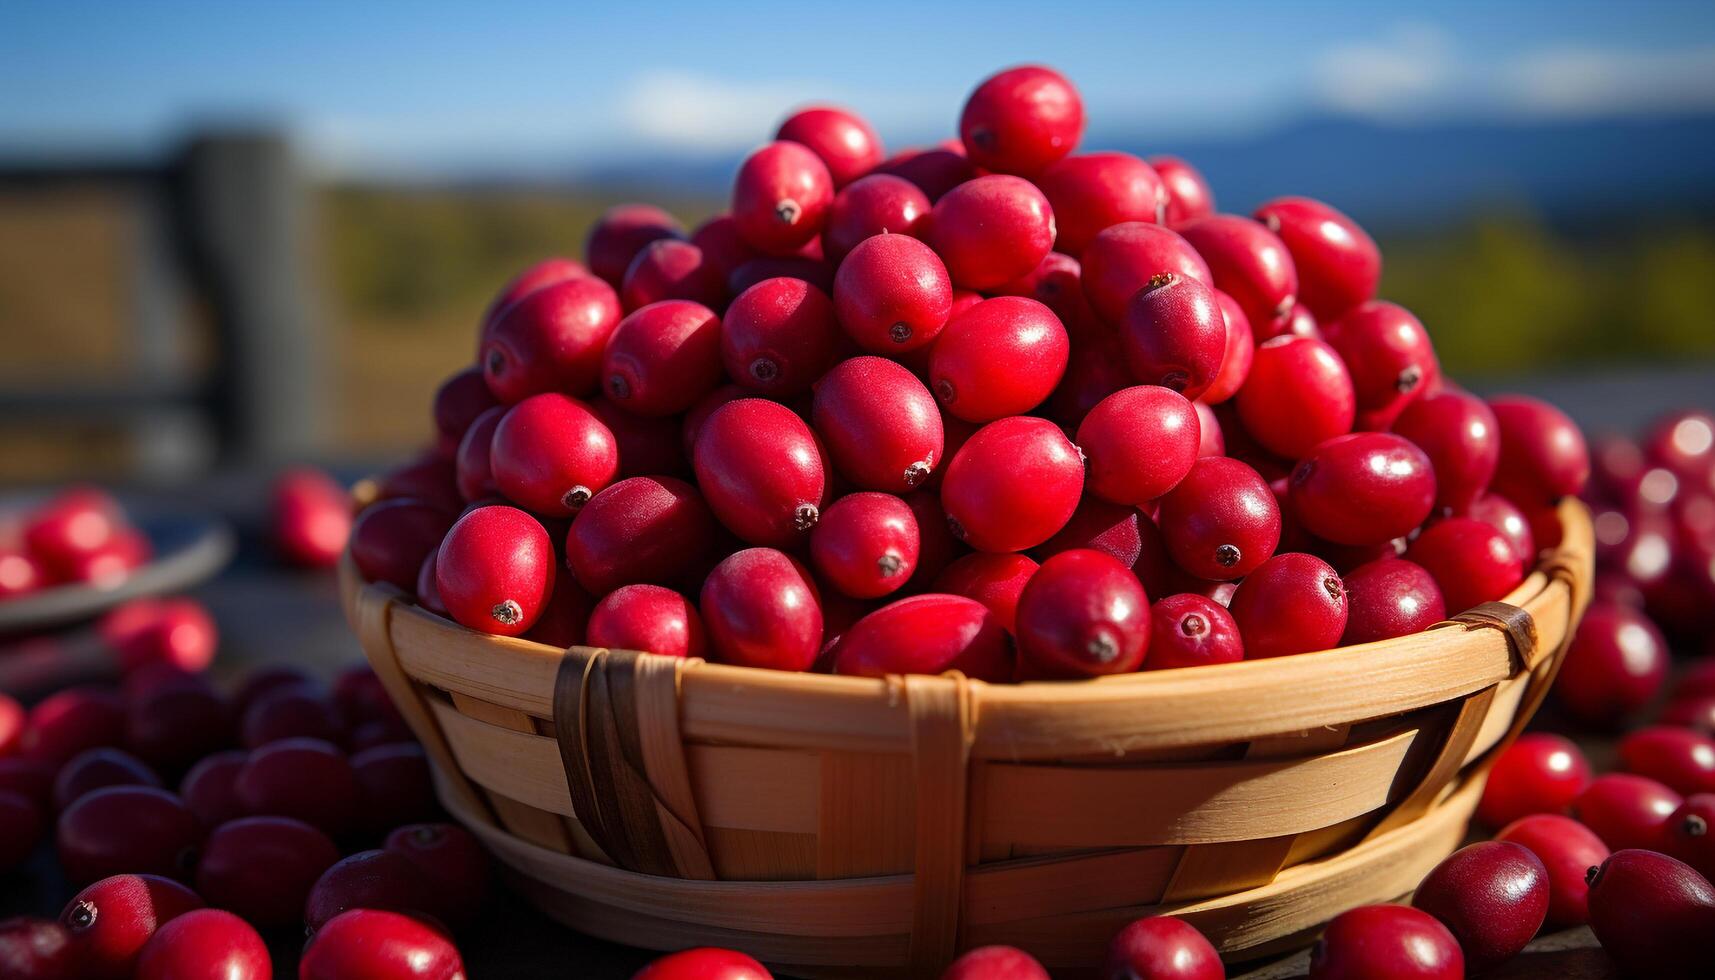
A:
[437,87]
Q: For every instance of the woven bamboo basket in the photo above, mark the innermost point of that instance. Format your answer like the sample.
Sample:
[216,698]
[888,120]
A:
[842,827]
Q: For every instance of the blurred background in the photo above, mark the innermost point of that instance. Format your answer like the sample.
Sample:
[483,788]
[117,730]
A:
[236,233]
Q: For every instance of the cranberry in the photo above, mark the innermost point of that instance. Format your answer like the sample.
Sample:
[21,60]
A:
[1388,354]
[311,516]
[761,471]
[1614,666]
[1338,263]
[451,859]
[1386,942]
[1139,442]
[268,678]
[1684,442]
[1364,488]
[1221,521]
[1493,897]
[1689,834]
[372,879]
[643,529]
[1174,334]
[429,477]
[623,232]
[360,696]
[841,138]
[1567,849]
[668,268]
[1504,516]
[704,963]
[12,718]
[662,358]
[36,949]
[1238,354]
[495,570]
[881,424]
[991,230]
[300,711]
[75,525]
[1021,120]
[1627,810]
[892,294]
[995,963]
[761,611]
[551,340]
[781,197]
[1248,261]
[108,565]
[1298,395]
[1681,759]
[1539,773]
[1211,439]
[1472,562]
[457,402]
[722,247]
[1012,485]
[1056,283]
[550,454]
[1389,597]
[394,785]
[1292,603]
[124,829]
[565,616]
[1162,947]
[69,721]
[1653,914]
[20,574]
[647,617]
[1001,357]
[112,920]
[1124,258]
[1187,194]
[1189,630]
[93,769]
[21,825]
[303,778]
[866,545]
[1117,530]
[1543,456]
[778,337]
[205,944]
[935,170]
[391,538]
[210,788]
[543,273]
[927,634]
[1459,433]
[1696,713]
[1093,191]
[874,205]
[1081,615]
[995,580]
[263,867]
[375,943]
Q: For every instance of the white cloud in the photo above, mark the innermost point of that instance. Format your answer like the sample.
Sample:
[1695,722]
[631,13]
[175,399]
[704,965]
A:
[1403,72]
[1569,81]
[693,112]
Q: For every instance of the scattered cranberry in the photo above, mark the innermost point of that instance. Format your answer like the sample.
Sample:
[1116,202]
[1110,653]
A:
[65,532]
[1691,833]
[1538,773]
[1291,603]
[394,785]
[262,867]
[1162,947]
[368,880]
[991,230]
[205,944]
[1298,395]
[495,570]
[662,358]
[303,778]
[451,859]
[1001,357]
[1083,614]
[70,721]
[113,919]
[1187,193]
[1139,443]
[1124,258]
[1567,850]
[210,789]
[781,197]
[623,232]
[391,538]
[1472,562]
[93,769]
[20,574]
[882,427]
[704,963]
[648,618]
[927,634]
[1627,810]
[1093,191]
[312,514]
[1543,457]
[1681,759]
[1386,942]
[376,943]
[1652,914]
[551,340]
[1012,485]
[761,610]
[127,829]
[36,949]
[1493,897]
[1221,521]
[299,711]
[1684,442]
[761,471]
[995,963]
[1363,488]
[1614,666]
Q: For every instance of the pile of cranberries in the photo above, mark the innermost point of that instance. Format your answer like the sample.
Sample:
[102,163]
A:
[81,536]
[993,406]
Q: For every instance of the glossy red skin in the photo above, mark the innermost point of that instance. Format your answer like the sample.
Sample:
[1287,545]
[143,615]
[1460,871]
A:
[430,478]
[1122,259]
[1162,948]
[125,830]
[1247,261]
[69,721]
[1021,120]
[112,920]
[1187,194]
[668,268]
[1386,942]
[1095,370]
[1083,614]
[1543,456]
[1239,353]
[311,516]
[662,358]
[1684,442]
[1471,561]
[93,769]
[1211,438]
[108,565]
[1652,914]
[1292,603]
[451,859]
[1338,263]
[875,205]
[645,529]
[892,294]
[781,197]
[1299,322]
[375,943]
[1539,773]
[551,340]
[1493,897]
[882,427]
[209,789]
[1390,597]
[761,471]
[1681,759]
[1615,665]
[262,867]
[1139,443]
[704,963]
[301,711]
[813,271]
[1174,334]
[550,455]
[1116,530]
[1691,833]
[495,570]
[394,785]
[1190,630]
[1298,395]
[778,337]
[621,233]
[1222,503]
[934,169]
[1567,850]
[1012,485]
[21,824]
[1001,357]
[390,540]
[1460,434]
[1387,352]
[991,230]
[866,545]
[1092,191]
[303,778]
[372,879]
[846,144]
[995,580]
[20,574]
[927,634]
[74,525]
[761,610]
[205,944]
[544,273]
[1363,489]
[1626,810]
[995,963]
[648,618]
[36,949]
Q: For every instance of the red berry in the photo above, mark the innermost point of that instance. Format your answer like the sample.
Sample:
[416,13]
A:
[303,778]
[20,574]
[781,197]
[662,358]
[991,230]
[458,401]
[1083,614]
[127,829]
[262,867]
[1691,833]
[1492,896]
[1012,485]
[451,859]
[1189,630]
[648,618]
[1696,713]
[935,170]
[93,769]
[1614,666]
[644,529]
[1248,261]
[995,580]
[927,634]
[1653,914]
[668,268]
[704,963]
[205,944]
[779,336]
[892,294]
[1123,259]
[360,696]
[1139,443]
[112,920]
[394,785]
[210,788]
[1567,850]
[1116,530]
[1681,759]
[21,825]
[1386,942]
[722,247]
[623,232]
[1543,456]
[1390,597]
[550,454]
[1472,562]
[1187,193]
[761,471]
[495,570]
[1240,352]
[551,340]
[874,205]
[1021,120]
[1626,810]
[1093,191]
[371,879]
[1221,521]
[841,138]
[1388,354]
[376,943]
[995,963]
[299,711]
[1174,334]
[430,478]
[1292,603]
[882,427]
[542,274]
[311,516]
[1684,442]
[391,539]
[1298,395]
[1001,357]
[69,721]
[1338,263]
[1162,947]
[1459,434]
[866,545]
[68,530]
[36,949]
[12,719]
[1362,489]
[1300,322]
[761,610]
